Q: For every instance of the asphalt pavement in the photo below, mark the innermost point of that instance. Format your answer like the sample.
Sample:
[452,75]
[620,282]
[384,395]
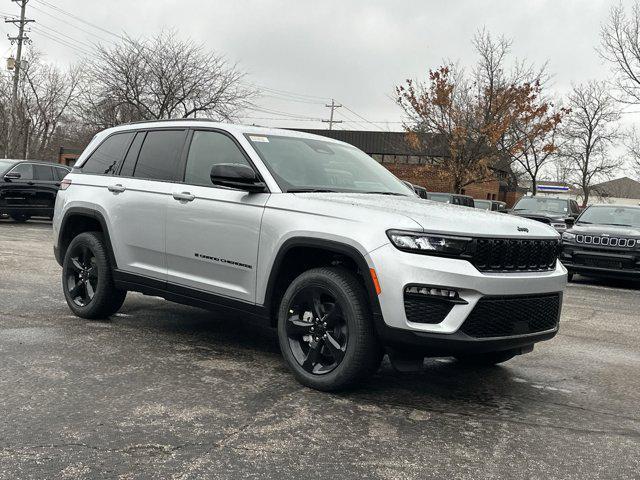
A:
[167,391]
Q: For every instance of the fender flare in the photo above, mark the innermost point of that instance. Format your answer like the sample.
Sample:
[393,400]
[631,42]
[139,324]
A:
[333,246]
[85,212]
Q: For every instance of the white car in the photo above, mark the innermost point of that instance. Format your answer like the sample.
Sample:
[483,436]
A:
[307,234]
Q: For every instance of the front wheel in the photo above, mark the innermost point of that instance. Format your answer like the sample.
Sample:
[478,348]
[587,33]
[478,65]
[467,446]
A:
[87,280]
[326,331]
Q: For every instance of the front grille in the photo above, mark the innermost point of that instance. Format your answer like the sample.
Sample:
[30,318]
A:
[619,242]
[515,255]
[421,309]
[508,316]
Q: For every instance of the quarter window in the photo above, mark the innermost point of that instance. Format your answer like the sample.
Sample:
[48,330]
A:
[208,149]
[106,158]
[60,172]
[158,159]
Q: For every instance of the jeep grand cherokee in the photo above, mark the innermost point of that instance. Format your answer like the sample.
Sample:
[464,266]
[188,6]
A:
[305,233]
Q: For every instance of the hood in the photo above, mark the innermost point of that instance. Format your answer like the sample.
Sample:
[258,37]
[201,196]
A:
[612,230]
[396,211]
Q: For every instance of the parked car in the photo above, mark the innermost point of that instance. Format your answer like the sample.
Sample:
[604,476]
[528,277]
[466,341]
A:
[560,213]
[605,241]
[417,189]
[452,198]
[28,188]
[256,221]
[492,205]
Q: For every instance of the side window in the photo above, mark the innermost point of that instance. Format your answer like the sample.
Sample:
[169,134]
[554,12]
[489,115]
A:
[208,149]
[25,170]
[130,159]
[43,172]
[60,173]
[105,159]
[158,159]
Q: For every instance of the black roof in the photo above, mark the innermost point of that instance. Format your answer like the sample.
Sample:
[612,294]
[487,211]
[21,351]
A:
[385,143]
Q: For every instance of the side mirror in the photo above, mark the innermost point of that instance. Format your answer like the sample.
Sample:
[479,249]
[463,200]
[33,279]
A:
[570,221]
[12,176]
[235,175]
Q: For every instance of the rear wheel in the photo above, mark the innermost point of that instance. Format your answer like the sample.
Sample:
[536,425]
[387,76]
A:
[486,359]
[325,330]
[87,280]
[20,217]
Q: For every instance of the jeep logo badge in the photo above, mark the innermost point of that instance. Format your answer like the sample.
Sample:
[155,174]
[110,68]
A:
[523,229]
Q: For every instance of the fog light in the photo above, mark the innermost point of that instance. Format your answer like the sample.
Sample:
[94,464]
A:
[431,291]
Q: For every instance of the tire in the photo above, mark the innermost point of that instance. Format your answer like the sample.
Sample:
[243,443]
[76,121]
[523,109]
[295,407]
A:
[20,217]
[85,269]
[570,277]
[486,359]
[346,347]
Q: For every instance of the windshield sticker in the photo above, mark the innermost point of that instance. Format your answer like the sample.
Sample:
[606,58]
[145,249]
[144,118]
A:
[259,139]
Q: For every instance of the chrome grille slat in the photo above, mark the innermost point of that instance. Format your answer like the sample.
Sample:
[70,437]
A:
[602,241]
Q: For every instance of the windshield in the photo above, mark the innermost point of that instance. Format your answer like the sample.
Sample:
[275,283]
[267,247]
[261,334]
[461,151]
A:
[541,204]
[623,216]
[482,204]
[304,164]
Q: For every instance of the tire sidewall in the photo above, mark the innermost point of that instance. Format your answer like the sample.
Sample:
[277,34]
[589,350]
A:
[350,312]
[94,243]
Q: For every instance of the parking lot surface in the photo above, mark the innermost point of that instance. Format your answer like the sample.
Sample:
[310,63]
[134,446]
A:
[167,391]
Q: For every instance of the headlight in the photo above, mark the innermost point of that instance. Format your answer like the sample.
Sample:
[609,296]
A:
[429,243]
[568,237]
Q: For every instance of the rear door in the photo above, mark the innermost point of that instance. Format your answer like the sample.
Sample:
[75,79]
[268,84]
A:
[140,196]
[213,232]
[45,189]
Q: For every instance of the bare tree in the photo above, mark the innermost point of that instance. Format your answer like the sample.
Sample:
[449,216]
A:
[588,133]
[632,147]
[162,77]
[620,45]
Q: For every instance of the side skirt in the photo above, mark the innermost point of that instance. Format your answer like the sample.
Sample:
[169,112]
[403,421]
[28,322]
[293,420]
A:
[189,296]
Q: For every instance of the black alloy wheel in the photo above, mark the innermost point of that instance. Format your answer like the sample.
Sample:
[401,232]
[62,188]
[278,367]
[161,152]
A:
[82,275]
[317,330]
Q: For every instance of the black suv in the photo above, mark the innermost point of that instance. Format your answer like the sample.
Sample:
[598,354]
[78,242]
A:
[605,241]
[29,188]
[560,213]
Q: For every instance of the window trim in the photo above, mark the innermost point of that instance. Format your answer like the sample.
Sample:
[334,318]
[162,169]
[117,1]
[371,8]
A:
[185,156]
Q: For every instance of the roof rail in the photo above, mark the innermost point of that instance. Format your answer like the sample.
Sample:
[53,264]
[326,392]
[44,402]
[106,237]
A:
[162,120]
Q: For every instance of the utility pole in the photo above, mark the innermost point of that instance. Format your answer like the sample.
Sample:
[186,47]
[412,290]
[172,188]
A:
[331,121]
[20,39]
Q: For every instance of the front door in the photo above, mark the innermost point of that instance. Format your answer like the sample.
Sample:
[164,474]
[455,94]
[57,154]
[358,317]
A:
[18,192]
[213,232]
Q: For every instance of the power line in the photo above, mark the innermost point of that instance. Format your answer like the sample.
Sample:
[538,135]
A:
[55,32]
[64,12]
[72,25]
[63,42]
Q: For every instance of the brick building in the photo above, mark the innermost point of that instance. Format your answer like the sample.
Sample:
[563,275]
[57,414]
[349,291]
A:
[421,167]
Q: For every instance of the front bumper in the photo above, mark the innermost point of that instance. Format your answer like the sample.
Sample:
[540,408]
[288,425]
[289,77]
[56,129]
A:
[600,262]
[396,269]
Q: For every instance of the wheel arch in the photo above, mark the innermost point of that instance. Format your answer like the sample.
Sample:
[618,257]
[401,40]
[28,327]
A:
[77,220]
[329,247]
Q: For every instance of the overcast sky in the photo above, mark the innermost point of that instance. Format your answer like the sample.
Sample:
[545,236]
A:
[355,51]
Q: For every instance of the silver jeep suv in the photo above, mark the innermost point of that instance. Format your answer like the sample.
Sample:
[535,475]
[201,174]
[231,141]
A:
[309,235]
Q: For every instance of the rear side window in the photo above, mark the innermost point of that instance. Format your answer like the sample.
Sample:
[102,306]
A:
[106,158]
[208,149]
[43,172]
[25,170]
[158,159]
